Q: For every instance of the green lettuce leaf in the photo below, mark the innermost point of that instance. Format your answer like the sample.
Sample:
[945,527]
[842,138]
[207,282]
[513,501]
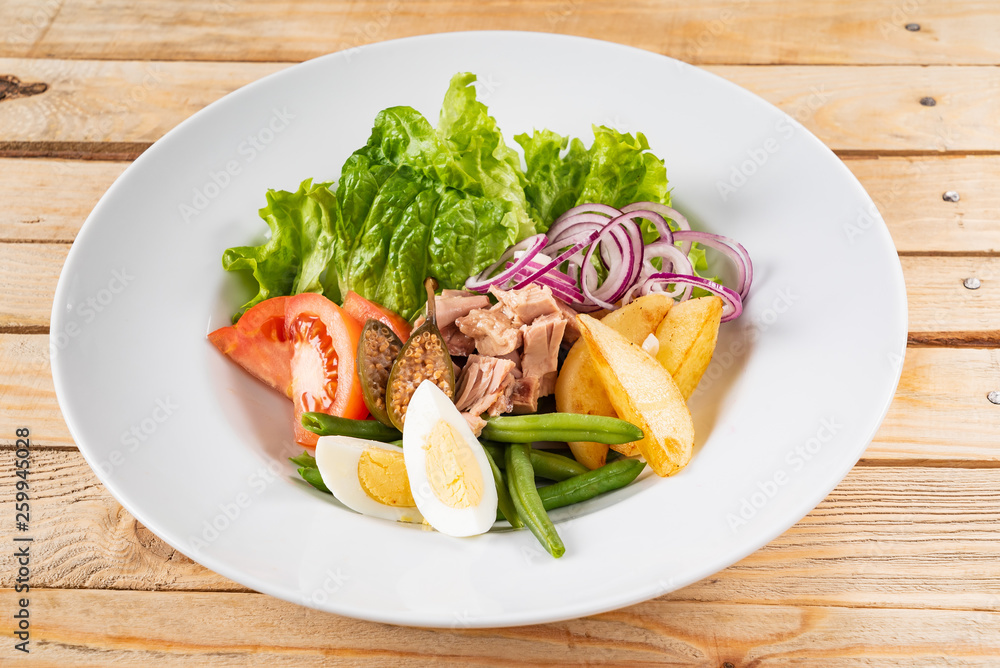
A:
[294,259]
[466,124]
[418,201]
[622,171]
[554,178]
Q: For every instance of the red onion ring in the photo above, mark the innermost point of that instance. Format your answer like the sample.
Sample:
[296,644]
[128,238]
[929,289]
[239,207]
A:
[732,250]
[732,303]
[531,246]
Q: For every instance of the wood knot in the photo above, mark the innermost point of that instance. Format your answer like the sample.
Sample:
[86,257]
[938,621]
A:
[11,87]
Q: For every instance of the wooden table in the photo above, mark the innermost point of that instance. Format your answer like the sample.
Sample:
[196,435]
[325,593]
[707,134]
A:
[900,566]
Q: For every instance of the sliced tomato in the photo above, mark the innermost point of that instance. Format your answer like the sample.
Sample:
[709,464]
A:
[324,344]
[258,344]
[361,310]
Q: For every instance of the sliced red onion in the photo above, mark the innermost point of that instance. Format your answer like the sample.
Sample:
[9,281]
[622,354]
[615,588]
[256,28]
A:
[621,274]
[530,247]
[732,303]
[732,249]
[581,222]
[608,211]
[553,263]
[661,225]
[665,211]
[616,237]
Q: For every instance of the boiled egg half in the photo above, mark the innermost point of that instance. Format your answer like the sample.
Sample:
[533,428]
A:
[367,477]
[450,476]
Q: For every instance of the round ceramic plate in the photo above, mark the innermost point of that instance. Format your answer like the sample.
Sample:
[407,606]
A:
[196,449]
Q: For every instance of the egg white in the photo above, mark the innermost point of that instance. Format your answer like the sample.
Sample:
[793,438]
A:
[337,460]
[427,406]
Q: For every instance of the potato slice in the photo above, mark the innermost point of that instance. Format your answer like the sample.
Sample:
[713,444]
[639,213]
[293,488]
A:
[687,339]
[642,392]
[579,389]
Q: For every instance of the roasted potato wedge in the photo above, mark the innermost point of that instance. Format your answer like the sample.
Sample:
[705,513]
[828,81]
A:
[644,393]
[687,339]
[580,390]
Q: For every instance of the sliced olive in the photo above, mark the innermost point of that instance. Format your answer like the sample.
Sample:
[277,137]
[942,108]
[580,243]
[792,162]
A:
[377,351]
[424,356]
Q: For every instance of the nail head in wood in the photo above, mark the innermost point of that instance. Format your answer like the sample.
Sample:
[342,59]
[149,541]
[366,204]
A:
[972,283]
[913,27]
[994,397]
[950,196]
[928,101]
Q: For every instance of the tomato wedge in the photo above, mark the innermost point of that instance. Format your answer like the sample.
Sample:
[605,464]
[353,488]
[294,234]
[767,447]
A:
[258,344]
[324,344]
[361,310]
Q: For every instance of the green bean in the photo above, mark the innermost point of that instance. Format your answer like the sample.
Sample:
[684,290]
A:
[331,425]
[498,452]
[551,466]
[308,470]
[305,459]
[505,505]
[521,481]
[560,427]
[545,463]
[587,485]
[313,477]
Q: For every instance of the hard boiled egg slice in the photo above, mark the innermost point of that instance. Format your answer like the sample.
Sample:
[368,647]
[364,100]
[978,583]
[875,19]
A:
[367,476]
[450,477]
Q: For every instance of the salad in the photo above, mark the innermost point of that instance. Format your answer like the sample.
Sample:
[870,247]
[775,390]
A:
[467,338]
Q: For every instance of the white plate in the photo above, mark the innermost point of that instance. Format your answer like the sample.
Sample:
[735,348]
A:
[196,450]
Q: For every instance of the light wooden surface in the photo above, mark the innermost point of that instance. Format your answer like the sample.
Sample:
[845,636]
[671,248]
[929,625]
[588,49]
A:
[899,566]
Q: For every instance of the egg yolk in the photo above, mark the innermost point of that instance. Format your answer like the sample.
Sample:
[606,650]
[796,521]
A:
[452,469]
[382,475]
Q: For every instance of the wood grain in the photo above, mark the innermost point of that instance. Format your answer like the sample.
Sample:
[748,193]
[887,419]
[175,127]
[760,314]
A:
[127,101]
[908,192]
[48,200]
[714,31]
[886,537]
[28,277]
[938,300]
[101,628]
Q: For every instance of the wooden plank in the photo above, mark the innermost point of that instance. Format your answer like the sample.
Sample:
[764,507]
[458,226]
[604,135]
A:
[939,304]
[714,31]
[909,190]
[28,277]
[940,412]
[48,200]
[101,628]
[114,101]
[886,537]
